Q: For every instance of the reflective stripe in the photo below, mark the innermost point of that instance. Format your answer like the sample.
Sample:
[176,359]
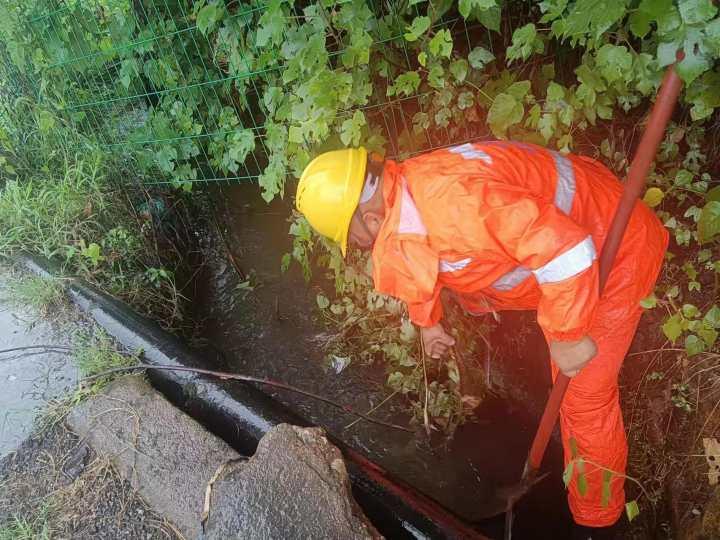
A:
[410,221]
[512,279]
[566,265]
[468,151]
[565,188]
[453,266]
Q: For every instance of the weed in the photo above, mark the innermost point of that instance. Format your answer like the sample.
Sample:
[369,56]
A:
[41,293]
[20,528]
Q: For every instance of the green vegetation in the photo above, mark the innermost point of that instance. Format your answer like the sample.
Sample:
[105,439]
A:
[19,528]
[100,99]
[42,294]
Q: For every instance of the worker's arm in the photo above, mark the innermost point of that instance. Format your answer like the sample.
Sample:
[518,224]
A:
[562,257]
[560,254]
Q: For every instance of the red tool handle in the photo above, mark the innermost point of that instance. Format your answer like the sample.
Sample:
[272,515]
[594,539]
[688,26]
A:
[639,168]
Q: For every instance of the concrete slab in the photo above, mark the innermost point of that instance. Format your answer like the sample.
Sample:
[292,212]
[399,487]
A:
[167,456]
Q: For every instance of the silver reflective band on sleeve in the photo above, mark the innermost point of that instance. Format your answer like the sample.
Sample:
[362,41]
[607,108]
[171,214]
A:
[468,151]
[410,220]
[568,264]
[453,266]
[565,187]
[512,279]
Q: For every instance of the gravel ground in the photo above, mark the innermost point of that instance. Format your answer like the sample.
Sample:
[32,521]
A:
[53,486]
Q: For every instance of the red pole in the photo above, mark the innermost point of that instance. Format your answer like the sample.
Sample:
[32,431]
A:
[659,117]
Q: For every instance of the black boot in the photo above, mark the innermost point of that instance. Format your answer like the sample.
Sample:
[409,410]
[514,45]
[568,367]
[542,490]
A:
[580,532]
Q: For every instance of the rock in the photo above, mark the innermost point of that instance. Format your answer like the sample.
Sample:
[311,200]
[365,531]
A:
[167,456]
[295,486]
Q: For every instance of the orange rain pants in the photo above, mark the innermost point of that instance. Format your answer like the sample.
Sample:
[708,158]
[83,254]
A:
[514,226]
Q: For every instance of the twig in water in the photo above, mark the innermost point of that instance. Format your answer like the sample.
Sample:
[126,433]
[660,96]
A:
[246,378]
[375,408]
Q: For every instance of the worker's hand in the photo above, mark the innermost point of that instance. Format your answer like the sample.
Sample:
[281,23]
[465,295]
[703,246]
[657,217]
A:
[571,356]
[436,341]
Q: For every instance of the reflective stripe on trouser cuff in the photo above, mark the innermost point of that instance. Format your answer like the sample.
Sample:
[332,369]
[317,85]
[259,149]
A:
[565,186]
[568,264]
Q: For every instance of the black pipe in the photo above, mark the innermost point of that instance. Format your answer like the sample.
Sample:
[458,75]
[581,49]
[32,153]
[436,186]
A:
[241,414]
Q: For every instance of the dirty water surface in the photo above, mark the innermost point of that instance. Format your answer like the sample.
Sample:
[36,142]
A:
[273,331]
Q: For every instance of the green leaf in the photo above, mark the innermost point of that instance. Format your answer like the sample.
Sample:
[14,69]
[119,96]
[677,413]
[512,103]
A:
[581,481]
[614,62]
[593,17]
[407,83]
[673,327]
[490,18]
[46,122]
[466,7]
[436,77]
[631,510]
[519,89]
[350,131]
[296,135]
[649,302]
[442,117]
[567,473]
[465,100]
[713,194]
[505,111]
[441,44]
[653,197]
[696,60]
[694,345]
[696,11]
[408,334]
[605,496]
[422,58]
[708,335]
[709,223]
[459,69]
[690,311]
[479,57]
[322,301]
[712,317]
[555,92]
[639,23]
[166,157]
[525,42]
[418,27]
[208,17]
[271,25]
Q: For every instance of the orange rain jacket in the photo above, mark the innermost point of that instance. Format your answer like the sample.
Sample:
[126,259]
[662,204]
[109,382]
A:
[514,226]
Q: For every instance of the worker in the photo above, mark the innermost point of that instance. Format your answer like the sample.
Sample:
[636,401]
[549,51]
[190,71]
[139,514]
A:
[507,226]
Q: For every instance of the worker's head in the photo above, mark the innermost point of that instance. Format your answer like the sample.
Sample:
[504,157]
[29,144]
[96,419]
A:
[341,197]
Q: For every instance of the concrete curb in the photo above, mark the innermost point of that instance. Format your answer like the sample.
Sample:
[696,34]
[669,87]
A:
[241,414]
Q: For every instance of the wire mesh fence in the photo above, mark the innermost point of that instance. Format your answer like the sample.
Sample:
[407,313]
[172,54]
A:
[147,78]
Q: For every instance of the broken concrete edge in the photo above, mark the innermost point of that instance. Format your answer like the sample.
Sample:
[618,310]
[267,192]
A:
[243,416]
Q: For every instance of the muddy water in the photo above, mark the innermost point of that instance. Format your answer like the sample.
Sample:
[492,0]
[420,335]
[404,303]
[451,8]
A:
[273,332]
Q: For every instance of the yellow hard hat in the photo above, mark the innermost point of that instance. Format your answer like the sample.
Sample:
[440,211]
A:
[329,191]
